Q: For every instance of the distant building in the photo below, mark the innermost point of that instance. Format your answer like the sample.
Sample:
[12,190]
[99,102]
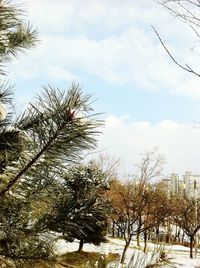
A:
[183,185]
[167,183]
[174,183]
[189,181]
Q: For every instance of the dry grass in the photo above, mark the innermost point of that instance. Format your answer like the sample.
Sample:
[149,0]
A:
[86,259]
[69,260]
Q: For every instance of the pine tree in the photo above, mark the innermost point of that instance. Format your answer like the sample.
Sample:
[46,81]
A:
[35,149]
[54,131]
[81,212]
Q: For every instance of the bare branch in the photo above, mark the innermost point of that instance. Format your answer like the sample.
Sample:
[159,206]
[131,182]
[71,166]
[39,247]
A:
[186,68]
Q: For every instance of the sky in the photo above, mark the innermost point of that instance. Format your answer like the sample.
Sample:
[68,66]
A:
[111,50]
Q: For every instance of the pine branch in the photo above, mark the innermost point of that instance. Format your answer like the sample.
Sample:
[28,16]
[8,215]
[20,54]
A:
[56,133]
[15,34]
[32,162]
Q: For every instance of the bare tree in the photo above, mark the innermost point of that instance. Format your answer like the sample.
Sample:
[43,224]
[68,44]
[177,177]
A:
[108,164]
[149,168]
[186,217]
[136,210]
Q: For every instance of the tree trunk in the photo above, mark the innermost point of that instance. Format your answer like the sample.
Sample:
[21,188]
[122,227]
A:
[122,234]
[176,234]
[80,245]
[183,237]
[179,232]
[168,237]
[191,246]
[177,237]
[113,229]
[157,234]
[124,251]
[118,232]
[138,239]
[145,241]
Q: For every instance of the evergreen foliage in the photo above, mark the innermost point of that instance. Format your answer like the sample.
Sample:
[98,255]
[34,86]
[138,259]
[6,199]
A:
[15,34]
[52,133]
[36,149]
[81,212]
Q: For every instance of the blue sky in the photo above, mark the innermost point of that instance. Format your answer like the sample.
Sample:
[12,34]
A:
[109,47]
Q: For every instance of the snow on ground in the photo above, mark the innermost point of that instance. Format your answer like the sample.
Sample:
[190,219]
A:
[183,261]
[178,255]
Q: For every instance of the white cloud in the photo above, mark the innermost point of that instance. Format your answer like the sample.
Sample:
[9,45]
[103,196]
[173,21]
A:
[111,40]
[59,73]
[179,143]
[76,15]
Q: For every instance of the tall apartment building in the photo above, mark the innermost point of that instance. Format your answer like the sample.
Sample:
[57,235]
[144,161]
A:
[183,185]
[189,181]
[173,184]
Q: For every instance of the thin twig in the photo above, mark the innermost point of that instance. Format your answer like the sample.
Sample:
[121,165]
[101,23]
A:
[186,67]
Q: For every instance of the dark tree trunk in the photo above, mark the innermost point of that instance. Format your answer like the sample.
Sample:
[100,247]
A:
[80,245]
[145,241]
[122,234]
[191,246]
[124,251]
[138,239]
[157,233]
[179,239]
[113,229]
[168,238]
[176,234]
[118,232]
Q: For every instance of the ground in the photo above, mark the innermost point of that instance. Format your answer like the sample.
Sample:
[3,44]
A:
[177,256]
[86,259]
